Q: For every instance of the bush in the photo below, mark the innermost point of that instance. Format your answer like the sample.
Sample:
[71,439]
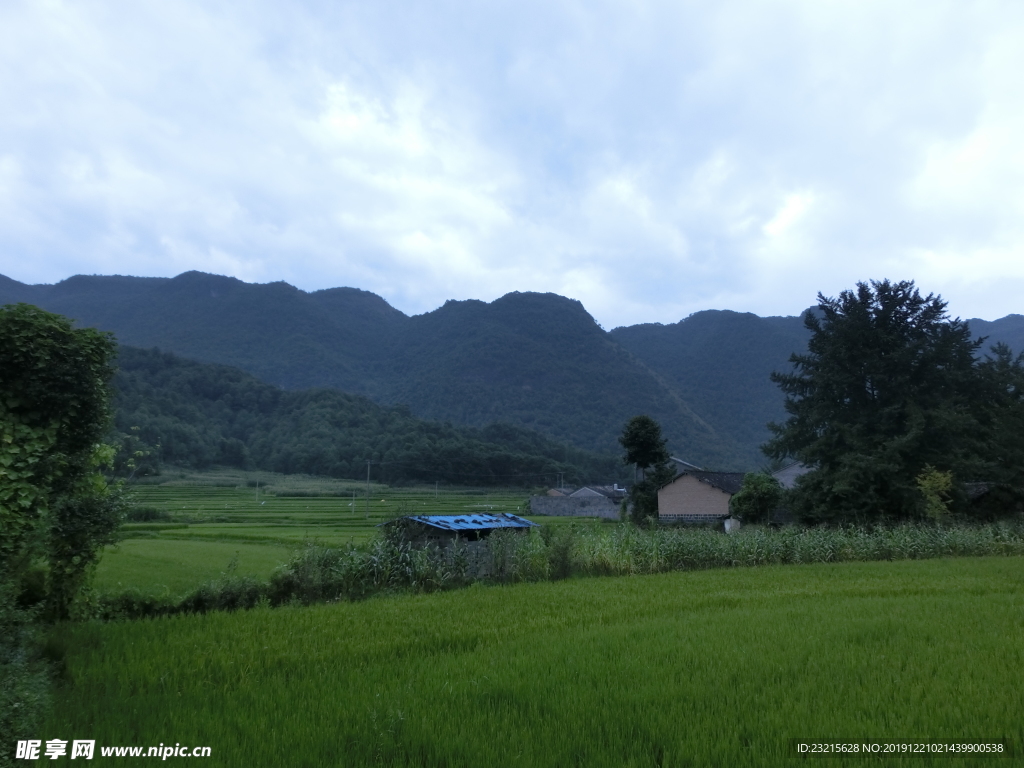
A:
[146,515]
[757,499]
[132,604]
[227,594]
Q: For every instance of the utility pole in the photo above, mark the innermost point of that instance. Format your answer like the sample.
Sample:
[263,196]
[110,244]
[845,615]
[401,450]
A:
[257,491]
[367,489]
[435,489]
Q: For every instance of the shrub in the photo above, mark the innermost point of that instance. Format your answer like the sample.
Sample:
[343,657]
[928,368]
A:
[146,515]
[757,499]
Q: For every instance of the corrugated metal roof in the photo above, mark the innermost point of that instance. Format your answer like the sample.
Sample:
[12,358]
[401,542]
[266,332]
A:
[471,522]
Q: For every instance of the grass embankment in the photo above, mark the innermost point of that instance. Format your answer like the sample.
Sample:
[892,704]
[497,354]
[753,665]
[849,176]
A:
[702,668]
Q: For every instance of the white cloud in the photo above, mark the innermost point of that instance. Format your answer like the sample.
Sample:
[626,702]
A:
[649,159]
[793,209]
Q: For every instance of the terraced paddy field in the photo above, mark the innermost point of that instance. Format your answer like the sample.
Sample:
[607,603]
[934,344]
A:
[702,668]
[172,568]
[204,521]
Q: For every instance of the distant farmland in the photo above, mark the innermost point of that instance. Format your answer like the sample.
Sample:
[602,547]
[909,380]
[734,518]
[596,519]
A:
[700,668]
[195,524]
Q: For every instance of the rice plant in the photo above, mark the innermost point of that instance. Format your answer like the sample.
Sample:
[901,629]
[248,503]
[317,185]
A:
[707,667]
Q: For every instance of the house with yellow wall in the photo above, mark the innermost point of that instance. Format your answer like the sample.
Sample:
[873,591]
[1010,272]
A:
[696,496]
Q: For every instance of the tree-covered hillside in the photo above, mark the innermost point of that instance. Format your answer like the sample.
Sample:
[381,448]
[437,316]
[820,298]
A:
[196,414]
[1007,330]
[538,360]
[720,362]
[275,331]
[534,360]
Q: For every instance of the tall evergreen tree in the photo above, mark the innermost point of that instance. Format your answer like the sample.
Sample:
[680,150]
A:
[890,388]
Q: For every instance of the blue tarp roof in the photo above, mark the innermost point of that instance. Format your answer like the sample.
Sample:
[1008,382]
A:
[472,522]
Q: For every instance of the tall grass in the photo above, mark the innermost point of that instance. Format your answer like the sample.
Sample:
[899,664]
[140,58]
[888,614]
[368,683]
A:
[25,675]
[319,573]
[629,550]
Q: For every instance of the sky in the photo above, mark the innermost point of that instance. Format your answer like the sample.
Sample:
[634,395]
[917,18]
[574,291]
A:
[651,159]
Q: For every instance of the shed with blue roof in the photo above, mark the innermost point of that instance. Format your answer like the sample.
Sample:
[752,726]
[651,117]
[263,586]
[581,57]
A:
[445,528]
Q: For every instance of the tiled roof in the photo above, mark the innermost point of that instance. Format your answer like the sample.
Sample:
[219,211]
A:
[730,482]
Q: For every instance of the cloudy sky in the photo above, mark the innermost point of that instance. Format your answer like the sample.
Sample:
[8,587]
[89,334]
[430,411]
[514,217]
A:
[651,159]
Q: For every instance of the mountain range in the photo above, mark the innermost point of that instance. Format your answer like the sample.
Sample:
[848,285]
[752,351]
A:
[532,360]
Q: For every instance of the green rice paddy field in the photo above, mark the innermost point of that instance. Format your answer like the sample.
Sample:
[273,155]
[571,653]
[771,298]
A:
[210,520]
[708,668]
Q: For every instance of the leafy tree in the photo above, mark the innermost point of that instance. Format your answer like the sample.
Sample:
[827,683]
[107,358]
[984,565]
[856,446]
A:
[54,410]
[647,450]
[1002,415]
[757,498]
[935,487]
[890,388]
[645,447]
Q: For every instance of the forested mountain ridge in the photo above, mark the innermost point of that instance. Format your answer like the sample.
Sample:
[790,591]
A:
[1009,330]
[535,360]
[541,361]
[195,414]
[324,338]
[720,362]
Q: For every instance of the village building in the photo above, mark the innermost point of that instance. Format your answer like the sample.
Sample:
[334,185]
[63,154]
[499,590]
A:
[589,501]
[612,492]
[696,496]
[560,493]
[683,466]
[788,474]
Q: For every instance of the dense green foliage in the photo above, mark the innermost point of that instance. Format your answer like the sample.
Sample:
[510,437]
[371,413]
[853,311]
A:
[734,665]
[889,389]
[720,363]
[202,415]
[758,497]
[55,506]
[533,360]
[643,442]
[647,450]
[537,361]
[56,511]
[1001,420]
[540,361]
